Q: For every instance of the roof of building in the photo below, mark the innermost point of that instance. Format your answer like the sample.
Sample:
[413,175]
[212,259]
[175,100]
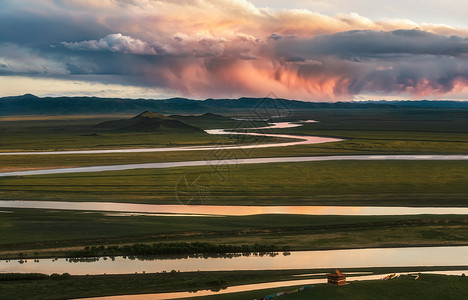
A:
[337,273]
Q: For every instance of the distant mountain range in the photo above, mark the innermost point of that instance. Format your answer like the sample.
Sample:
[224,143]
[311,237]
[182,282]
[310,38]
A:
[32,105]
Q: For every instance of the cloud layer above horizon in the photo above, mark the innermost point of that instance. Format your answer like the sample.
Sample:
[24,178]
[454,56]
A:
[230,48]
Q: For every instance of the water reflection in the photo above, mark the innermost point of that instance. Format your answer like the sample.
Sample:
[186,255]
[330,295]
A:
[352,258]
[173,257]
[225,210]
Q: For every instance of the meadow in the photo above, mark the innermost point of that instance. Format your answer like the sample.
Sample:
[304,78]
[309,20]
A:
[81,133]
[34,286]
[372,183]
[405,287]
[44,233]
[35,233]
[421,131]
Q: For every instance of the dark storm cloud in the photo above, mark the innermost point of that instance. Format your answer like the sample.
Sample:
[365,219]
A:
[33,29]
[368,44]
[376,61]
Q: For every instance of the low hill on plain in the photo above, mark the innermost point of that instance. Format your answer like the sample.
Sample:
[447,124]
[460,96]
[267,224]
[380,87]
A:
[149,121]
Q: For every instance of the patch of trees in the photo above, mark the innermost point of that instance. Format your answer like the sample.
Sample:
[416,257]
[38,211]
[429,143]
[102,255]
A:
[31,276]
[171,249]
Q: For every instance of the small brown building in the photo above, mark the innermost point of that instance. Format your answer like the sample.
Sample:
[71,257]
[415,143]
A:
[336,278]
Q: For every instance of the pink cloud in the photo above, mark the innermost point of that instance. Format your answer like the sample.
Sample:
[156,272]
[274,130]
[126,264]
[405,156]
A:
[225,48]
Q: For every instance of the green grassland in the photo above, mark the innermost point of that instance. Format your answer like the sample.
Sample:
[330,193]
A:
[419,131]
[87,286]
[45,233]
[386,183]
[73,134]
[357,143]
[35,287]
[374,183]
[39,233]
[427,286]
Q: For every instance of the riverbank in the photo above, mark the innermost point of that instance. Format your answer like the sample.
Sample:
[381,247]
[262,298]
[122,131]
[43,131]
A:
[38,287]
[427,286]
[49,233]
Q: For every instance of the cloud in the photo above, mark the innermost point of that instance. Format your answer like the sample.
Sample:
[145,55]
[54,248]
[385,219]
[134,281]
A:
[229,48]
[402,61]
[275,36]
[364,43]
[20,60]
[115,43]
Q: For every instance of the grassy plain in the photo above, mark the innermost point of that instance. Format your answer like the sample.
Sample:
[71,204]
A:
[427,286]
[80,134]
[386,183]
[417,131]
[374,183]
[404,287]
[39,233]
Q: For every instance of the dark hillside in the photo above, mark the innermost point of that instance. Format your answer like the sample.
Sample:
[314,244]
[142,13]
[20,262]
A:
[149,121]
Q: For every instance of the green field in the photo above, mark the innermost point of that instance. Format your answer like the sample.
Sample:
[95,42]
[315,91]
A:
[49,233]
[79,134]
[373,183]
[366,132]
[35,287]
[404,287]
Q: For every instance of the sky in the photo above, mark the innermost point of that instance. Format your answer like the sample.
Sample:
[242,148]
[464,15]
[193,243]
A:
[330,50]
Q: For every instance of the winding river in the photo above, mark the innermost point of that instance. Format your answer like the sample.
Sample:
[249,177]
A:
[352,258]
[297,140]
[231,162]
[129,209]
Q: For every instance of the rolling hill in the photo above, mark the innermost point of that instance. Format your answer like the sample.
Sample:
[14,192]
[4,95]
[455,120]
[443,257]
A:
[207,120]
[149,121]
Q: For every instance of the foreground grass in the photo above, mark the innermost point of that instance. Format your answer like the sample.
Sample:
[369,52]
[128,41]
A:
[66,287]
[373,183]
[44,233]
[405,287]
[88,286]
